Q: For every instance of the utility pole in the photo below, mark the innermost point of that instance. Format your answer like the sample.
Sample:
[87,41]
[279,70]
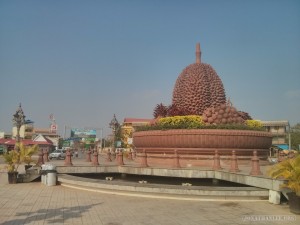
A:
[65,129]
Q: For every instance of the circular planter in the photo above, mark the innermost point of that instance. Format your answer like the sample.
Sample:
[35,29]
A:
[203,142]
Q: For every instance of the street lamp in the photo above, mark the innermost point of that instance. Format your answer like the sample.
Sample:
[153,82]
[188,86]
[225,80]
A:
[114,124]
[18,121]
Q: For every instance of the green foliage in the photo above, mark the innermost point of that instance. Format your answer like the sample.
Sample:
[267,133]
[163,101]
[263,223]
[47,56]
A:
[296,127]
[233,126]
[26,152]
[195,122]
[290,170]
[118,136]
[14,158]
[181,122]
[295,136]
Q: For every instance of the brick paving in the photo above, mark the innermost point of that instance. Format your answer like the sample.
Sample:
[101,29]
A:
[35,203]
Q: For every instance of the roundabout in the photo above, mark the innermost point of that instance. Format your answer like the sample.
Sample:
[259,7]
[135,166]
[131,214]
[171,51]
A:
[193,144]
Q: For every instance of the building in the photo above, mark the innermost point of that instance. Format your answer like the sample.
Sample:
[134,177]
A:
[26,130]
[280,130]
[44,142]
[5,135]
[9,144]
[29,132]
[48,134]
[128,127]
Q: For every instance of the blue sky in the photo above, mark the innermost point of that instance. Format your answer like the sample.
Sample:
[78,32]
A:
[83,61]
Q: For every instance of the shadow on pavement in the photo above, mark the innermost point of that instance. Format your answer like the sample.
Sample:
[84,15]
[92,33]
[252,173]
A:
[56,215]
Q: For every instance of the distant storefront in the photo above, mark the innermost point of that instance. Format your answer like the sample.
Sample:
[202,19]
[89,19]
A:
[9,144]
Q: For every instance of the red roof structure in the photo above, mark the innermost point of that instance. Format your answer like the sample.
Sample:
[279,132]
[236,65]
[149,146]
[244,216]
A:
[136,120]
[25,142]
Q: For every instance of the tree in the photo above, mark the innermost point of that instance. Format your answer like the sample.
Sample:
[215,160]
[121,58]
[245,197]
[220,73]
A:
[60,143]
[160,110]
[118,136]
[14,158]
[295,136]
[26,152]
[173,110]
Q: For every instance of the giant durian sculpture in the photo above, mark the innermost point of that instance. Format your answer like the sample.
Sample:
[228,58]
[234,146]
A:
[198,87]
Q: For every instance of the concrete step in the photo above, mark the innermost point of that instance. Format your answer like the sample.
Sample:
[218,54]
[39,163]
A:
[29,175]
[164,191]
[26,178]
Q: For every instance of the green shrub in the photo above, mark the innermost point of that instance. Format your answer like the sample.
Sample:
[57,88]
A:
[181,122]
[195,122]
[254,123]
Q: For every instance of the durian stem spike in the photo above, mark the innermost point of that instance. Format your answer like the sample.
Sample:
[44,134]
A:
[198,53]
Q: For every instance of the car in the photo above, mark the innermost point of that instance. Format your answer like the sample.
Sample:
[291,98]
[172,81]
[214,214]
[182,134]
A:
[58,154]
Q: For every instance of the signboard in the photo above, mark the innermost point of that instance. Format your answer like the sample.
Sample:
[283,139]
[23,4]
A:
[74,139]
[83,133]
[86,136]
[66,143]
[53,128]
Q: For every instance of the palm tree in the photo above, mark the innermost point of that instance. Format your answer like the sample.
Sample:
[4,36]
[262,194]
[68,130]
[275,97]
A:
[12,158]
[290,170]
[26,152]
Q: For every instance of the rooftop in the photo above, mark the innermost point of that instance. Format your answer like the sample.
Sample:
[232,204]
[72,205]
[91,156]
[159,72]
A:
[275,123]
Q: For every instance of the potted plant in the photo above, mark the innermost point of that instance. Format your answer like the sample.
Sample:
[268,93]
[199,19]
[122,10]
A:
[12,158]
[289,170]
[25,154]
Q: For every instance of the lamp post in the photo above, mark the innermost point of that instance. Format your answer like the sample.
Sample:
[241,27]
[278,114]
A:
[114,124]
[18,121]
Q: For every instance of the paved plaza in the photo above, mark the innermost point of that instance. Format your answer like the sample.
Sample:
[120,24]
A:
[35,203]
